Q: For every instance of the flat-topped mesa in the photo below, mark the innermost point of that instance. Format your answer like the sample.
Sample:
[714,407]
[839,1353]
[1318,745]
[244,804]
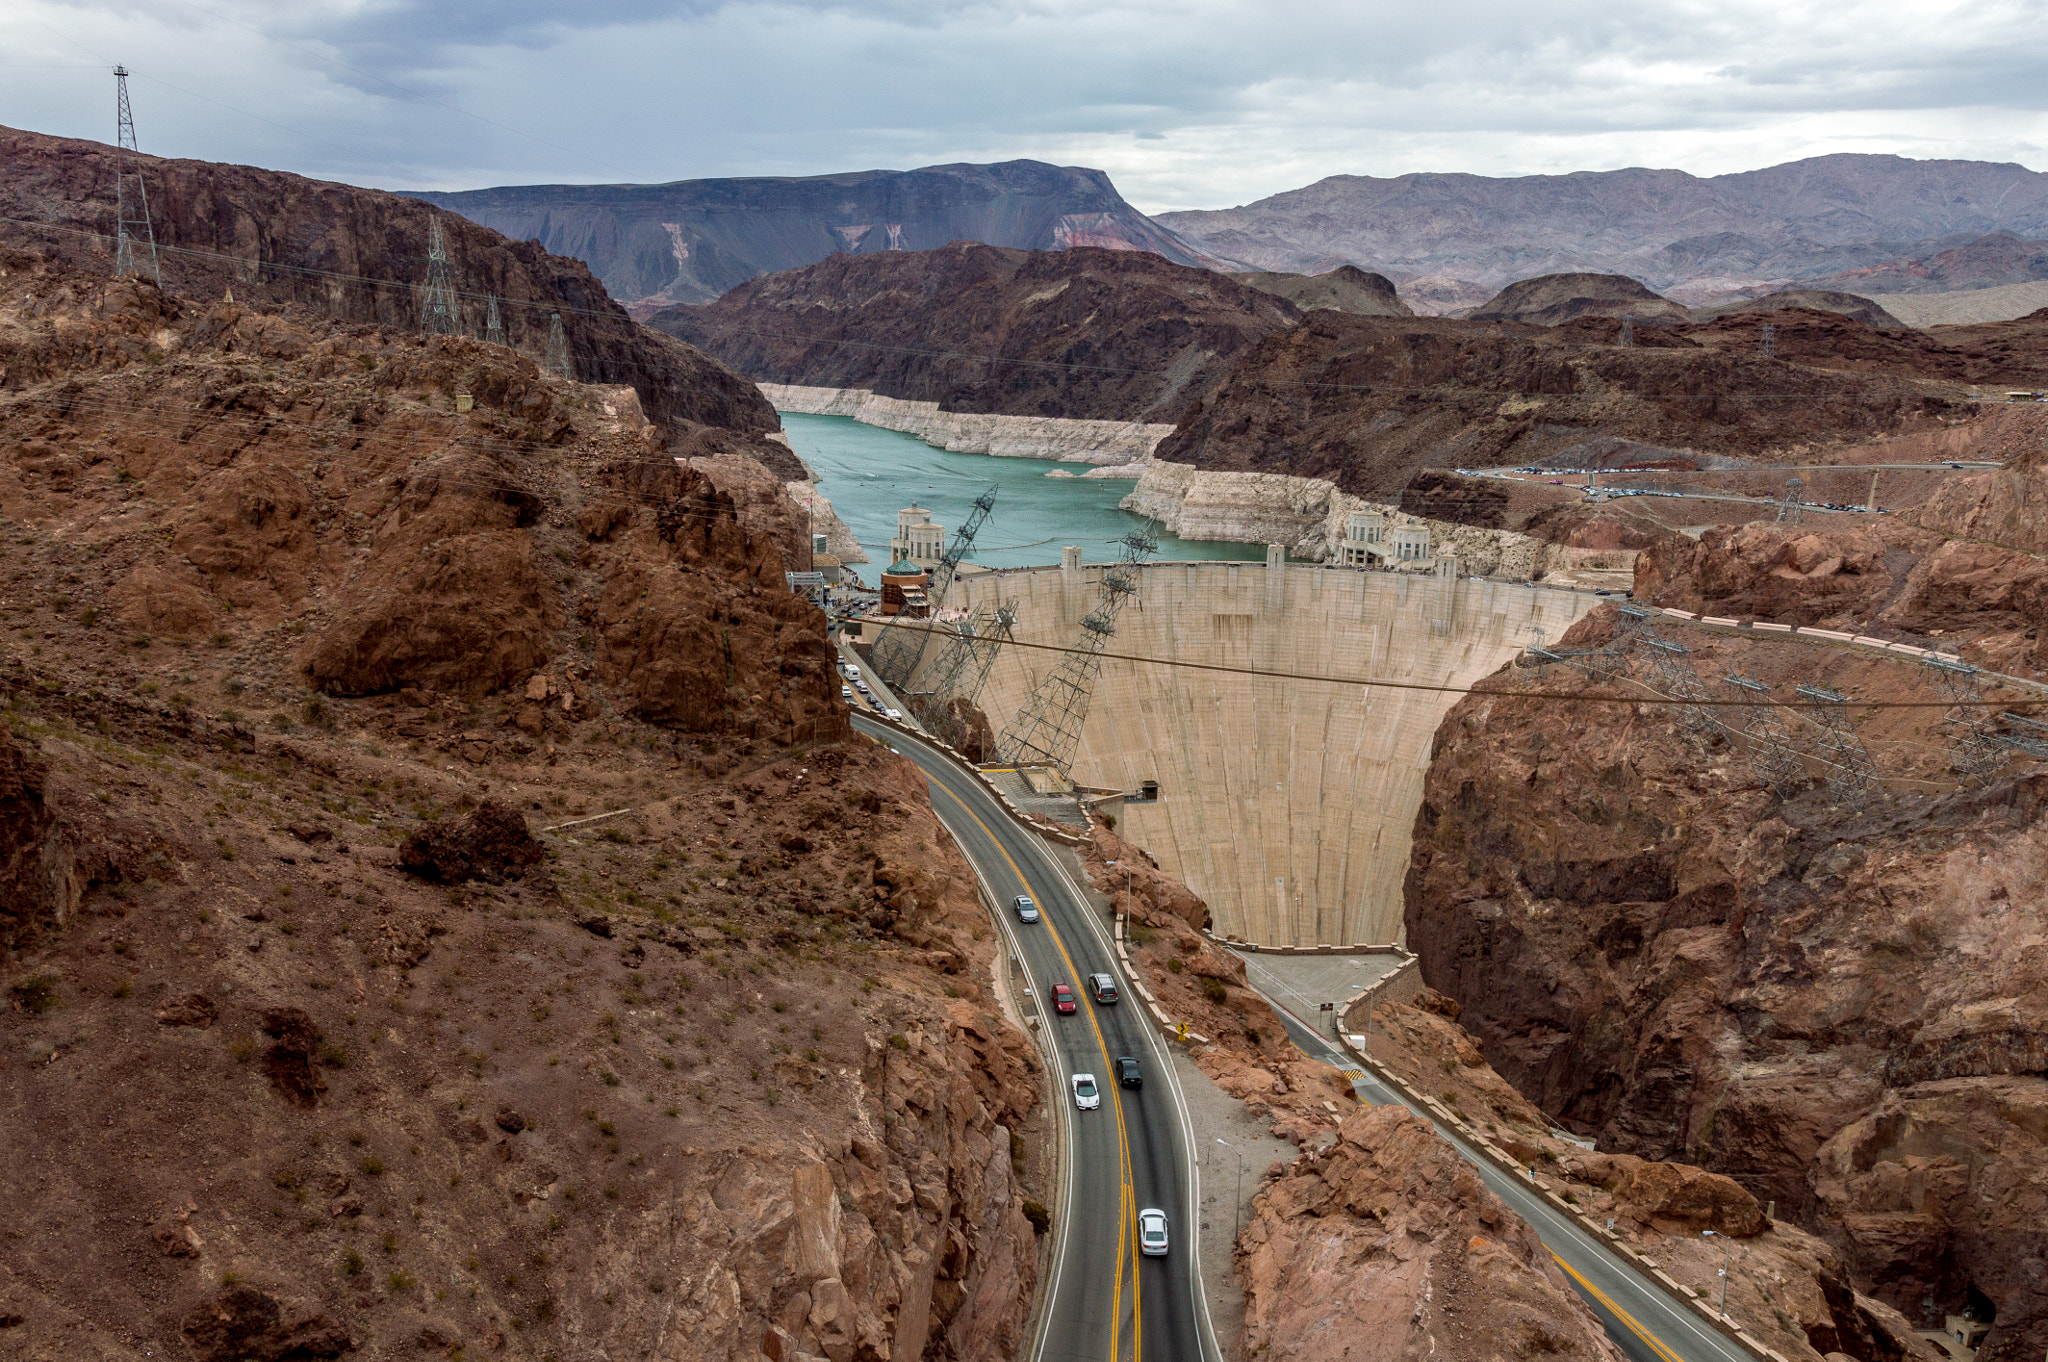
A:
[656,245]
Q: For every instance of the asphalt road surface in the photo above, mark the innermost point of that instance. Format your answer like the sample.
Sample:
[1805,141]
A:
[1106,1302]
[1641,1319]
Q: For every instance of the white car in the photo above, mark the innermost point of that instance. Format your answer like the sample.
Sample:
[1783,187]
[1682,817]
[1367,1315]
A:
[846,692]
[893,713]
[1152,1232]
[1086,1095]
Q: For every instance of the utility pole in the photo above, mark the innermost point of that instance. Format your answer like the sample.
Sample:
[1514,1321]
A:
[131,200]
[1727,1246]
[1237,1197]
[437,308]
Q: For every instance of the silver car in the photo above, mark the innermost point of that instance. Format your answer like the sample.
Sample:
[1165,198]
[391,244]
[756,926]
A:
[1027,911]
[1152,1232]
[1087,1096]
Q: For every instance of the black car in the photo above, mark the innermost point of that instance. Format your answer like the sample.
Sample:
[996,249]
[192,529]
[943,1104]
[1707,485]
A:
[1127,1074]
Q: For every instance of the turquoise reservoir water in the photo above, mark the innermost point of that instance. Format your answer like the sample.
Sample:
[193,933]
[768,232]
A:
[870,474]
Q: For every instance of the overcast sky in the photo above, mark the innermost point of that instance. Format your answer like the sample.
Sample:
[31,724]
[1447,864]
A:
[1190,104]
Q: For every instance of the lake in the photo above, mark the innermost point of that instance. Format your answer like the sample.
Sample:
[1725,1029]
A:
[869,474]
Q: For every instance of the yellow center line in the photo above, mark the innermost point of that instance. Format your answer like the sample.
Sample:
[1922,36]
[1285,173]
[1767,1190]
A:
[1127,1197]
[1628,1320]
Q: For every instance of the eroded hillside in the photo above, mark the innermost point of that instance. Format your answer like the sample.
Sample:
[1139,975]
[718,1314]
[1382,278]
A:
[1838,1004]
[1088,332]
[312,1046]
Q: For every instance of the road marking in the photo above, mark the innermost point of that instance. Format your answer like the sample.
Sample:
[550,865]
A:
[1628,1320]
[1127,1228]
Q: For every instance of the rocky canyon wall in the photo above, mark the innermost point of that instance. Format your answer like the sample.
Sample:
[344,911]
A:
[1825,1002]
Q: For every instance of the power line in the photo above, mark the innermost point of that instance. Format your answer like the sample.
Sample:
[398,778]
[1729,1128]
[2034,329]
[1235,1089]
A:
[1560,697]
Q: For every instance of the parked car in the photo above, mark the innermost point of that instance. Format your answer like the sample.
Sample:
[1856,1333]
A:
[1152,1232]
[1063,998]
[1027,911]
[1086,1096]
[1102,988]
[1127,1074]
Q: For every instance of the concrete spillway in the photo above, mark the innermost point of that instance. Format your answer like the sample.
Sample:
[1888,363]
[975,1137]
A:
[1288,805]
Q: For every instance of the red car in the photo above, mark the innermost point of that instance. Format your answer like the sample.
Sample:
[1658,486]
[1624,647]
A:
[1063,998]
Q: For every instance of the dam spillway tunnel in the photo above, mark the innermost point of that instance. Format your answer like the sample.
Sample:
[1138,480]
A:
[1287,804]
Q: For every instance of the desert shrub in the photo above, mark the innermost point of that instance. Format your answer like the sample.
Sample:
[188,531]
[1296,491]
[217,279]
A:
[1213,990]
[1039,1216]
[37,994]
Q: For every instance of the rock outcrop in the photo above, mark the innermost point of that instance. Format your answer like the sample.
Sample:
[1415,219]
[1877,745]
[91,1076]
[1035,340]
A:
[1386,1245]
[285,244]
[1551,299]
[1344,289]
[725,1080]
[1085,333]
[1367,402]
[1659,952]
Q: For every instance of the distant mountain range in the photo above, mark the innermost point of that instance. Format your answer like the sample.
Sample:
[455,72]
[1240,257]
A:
[688,242]
[1852,223]
[1857,222]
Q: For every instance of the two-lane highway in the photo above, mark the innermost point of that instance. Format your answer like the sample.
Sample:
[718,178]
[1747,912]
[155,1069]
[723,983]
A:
[1643,1321]
[1107,1302]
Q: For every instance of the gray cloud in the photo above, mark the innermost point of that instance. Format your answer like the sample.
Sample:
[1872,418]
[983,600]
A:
[1188,104]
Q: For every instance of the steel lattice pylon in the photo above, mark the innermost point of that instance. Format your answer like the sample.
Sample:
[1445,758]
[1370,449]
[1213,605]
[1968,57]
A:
[898,651]
[494,329]
[132,229]
[1671,672]
[963,670]
[1849,768]
[1771,753]
[1047,729]
[437,304]
[1790,502]
[2022,734]
[1972,733]
[557,365]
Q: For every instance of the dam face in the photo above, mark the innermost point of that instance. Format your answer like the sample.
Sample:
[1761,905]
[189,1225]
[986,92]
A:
[1288,805]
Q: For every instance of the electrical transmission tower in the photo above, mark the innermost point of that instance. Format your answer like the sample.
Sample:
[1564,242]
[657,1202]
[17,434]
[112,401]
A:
[1850,772]
[437,307]
[1771,753]
[1047,730]
[1790,502]
[1672,673]
[962,670]
[134,238]
[556,365]
[494,330]
[899,650]
[1628,329]
[1978,746]
[1767,345]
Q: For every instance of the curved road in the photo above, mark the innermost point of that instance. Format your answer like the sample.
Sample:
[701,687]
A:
[1105,1301]
[1644,1322]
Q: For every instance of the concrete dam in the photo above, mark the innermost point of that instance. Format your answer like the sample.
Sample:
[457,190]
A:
[1288,805]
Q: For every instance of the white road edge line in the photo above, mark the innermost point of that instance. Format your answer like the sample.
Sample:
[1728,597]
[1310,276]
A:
[1059,1089]
[1207,1334]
